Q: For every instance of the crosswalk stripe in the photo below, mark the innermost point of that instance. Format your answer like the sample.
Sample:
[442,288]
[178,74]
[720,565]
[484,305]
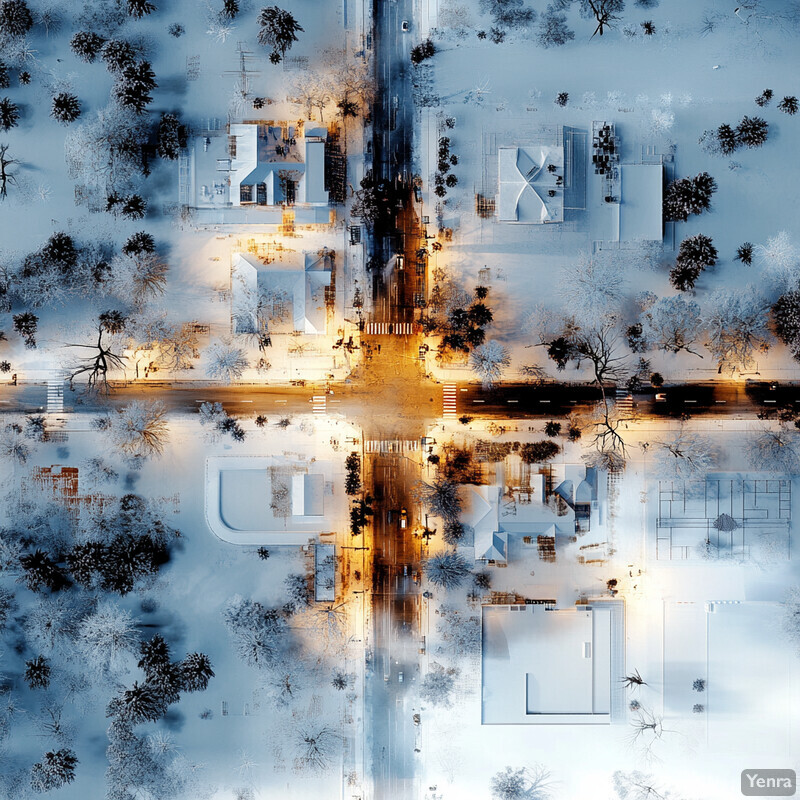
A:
[397,328]
[55,396]
[391,445]
[319,404]
[449,401]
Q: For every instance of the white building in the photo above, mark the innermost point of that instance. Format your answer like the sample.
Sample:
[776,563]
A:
[531,184]
[285,296]
[254,173]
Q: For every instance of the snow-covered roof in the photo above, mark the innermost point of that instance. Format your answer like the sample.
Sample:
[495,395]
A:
[480,512]
[302,278]
[525,183]
[641,197]
[542,666]
[308,493]
[257,156]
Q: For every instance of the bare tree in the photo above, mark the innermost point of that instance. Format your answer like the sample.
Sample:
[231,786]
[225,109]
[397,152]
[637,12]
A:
[672,324]
[592,288]
[791,615]
[96,365]
[637,786]
[175,344]
[312,90]
[139,429]
[647,730]
[779,259]
[684,456]
[7,177]
[138,277]
[634,679]
[226,362]
[317,744]
[736,325]
[487,362]
[440,498]
[527,783]
[774,449]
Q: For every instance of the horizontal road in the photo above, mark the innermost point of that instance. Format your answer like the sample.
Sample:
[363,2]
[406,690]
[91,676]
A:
[358,401]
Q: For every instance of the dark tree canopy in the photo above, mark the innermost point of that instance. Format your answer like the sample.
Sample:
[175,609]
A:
[15,17]
[539,452]
[786,321]
[66,108]
[687,196]
[139,8]
[117,54]
[9,114]
[752,131]
[278,30]
[86,45]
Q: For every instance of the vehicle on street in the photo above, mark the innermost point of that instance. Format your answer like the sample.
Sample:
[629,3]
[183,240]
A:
[400,677]
[404,26]
[403,517]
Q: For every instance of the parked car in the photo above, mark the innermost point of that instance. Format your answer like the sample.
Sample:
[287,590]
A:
[404,26]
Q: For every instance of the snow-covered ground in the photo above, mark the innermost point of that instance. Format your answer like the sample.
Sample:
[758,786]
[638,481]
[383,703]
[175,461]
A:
[661,92]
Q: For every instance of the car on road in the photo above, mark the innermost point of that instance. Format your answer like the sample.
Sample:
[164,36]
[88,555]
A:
[661,397]
[404,26]
[403,517]
[400,677]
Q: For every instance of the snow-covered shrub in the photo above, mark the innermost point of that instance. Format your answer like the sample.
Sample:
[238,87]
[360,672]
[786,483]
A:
[786,319]
[133,86]
[788,105]
[139,8]
[117,54]
[694,255]
[261,635]
[169,144]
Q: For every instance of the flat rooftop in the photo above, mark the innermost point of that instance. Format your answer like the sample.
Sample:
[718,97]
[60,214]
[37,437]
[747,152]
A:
[543,666]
